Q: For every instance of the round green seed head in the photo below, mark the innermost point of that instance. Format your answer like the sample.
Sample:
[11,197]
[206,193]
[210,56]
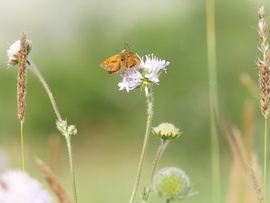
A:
[171,183]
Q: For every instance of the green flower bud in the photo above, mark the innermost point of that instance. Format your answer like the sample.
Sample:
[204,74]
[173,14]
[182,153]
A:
[166,131]
[62,126]
[171,183]
[66,129]
[72,130]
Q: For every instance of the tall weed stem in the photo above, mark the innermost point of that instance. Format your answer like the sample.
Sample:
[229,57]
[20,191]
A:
[213,99]
[150,107]
[65,132]
[160,151]
[46,87]
[68,140]
[265,160]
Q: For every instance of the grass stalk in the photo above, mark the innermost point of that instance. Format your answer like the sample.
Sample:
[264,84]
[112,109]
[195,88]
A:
[265,160]
[150,105]
[264,83]
[22,147]
[213,99]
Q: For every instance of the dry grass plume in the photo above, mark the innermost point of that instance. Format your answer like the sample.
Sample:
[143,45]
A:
[21,81]
[244,185]
[53,182]
[263,64]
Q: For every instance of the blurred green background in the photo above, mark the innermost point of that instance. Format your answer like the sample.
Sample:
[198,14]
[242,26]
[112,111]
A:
[71,38]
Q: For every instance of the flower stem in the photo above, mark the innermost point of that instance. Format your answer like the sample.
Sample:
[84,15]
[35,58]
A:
[213,99]
[22,146]
[68,140]
[46,86]
[158,156]
[265,160]
[67,136]
[150,105]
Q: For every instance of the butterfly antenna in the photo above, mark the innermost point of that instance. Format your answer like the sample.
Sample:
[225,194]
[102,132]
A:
[126,46]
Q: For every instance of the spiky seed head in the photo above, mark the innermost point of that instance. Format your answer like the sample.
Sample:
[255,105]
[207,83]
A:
[171,183]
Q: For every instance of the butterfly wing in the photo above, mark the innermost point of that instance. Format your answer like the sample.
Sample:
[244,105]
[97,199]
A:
[132,61]
[122,61]
[112,64]
[128,60]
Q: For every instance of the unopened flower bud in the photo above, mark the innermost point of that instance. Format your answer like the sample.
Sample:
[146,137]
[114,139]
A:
[72,130]
[62,126]
[66,129]
[166,131]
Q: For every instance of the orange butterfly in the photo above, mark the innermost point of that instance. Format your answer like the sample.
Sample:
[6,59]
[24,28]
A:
[123,60]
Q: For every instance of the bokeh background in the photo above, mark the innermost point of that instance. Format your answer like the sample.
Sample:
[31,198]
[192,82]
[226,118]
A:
[71,38]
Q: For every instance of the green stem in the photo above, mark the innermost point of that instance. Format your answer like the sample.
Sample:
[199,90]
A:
[150,104]
[68,140]
[265,160]
[46,87]
[158,156]
[213,98]
[22,146]
[67,136]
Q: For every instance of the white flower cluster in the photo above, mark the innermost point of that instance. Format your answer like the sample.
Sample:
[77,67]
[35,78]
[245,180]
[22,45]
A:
[144,75]
[18,187]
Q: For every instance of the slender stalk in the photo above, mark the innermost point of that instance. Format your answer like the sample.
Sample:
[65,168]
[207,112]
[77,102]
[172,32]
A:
[265,160]
[150,105]
[160,151]
[67,136]
[68,140]
[264,81]
[46,86]
[22,147]
[158,156]
[213,98]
